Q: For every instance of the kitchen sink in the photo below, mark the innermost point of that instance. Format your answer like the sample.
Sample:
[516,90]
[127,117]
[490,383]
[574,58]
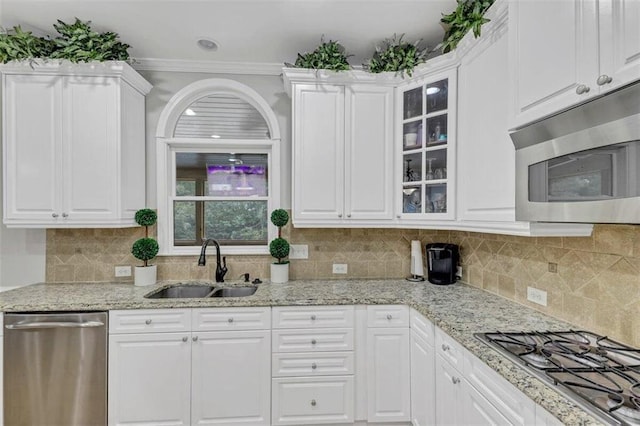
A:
[234,291]
[182,291]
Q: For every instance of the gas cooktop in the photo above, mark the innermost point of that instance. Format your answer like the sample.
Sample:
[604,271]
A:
[602,375]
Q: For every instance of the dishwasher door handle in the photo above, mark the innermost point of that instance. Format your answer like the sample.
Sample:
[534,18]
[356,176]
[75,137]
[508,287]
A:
[59,324]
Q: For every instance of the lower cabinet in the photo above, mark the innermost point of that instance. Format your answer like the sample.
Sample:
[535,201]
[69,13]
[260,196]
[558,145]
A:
[1,368]
[423,384]
[476,410]
[448,409]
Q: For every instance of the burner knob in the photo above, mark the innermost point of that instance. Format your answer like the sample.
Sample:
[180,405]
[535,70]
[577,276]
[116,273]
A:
[445,347]
[455,380]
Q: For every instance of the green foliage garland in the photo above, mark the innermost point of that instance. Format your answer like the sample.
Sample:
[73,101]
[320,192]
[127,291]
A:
[396,55]
[16,44]
[469,15]
[145,248]
[279,247]
[329,55]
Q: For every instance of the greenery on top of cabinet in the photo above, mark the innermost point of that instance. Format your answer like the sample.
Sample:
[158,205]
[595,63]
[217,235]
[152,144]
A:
[396,55]
[329,55]
[469,15]
[75,42]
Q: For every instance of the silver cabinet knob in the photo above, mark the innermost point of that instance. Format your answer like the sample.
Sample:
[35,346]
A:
[313,317]
[398,216]
[185,338]
[148,322]
[313,342]
[582,89]
[389,316]
[65,215]
[604,79]
[314,366]
[54,214]
[230,320]
[339,214]
[313,402]
[455,380]
[194,338]
[349,215]
[445,347]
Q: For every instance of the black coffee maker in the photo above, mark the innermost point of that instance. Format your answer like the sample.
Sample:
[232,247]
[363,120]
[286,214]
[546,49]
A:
[442,263]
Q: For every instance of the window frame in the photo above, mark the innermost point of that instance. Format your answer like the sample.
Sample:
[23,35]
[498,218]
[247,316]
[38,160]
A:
[167,147]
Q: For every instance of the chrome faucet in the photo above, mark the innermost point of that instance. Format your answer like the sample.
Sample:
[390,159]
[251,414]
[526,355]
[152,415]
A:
[221,267]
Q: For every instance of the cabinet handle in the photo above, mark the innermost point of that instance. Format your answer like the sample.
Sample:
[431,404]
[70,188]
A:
[313,317]
[455,380]
[54,214]
[604,79]
[65,215]
[194,338]
[349,215]
[314,366]
[185,338]
[389,317]
[582,89]
[230,320]
[313,342]
[148,322]
[445,347]
[313,402]
[339,214]
[398,216]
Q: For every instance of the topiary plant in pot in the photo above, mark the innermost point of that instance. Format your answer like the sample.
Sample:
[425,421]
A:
[397,56]
[145,249]
[329,55]
[279,248]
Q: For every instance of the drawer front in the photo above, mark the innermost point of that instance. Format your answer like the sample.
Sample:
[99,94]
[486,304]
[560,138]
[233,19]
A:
[313,317]
[388,316]
[312,400]
[449,349]
[423,327]
[149,321]
[217,319]
[312,364]
[324,340]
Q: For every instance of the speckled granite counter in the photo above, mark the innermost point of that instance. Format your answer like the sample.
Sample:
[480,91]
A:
[457,309]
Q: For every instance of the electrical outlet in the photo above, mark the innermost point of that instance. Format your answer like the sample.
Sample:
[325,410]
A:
[123,271]
[339,268]
[537,296]
[299,251]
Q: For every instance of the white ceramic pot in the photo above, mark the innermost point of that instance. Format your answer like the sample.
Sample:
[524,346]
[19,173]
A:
[145,275]
[279,272]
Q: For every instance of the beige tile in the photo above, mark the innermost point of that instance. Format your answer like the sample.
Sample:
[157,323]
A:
[490,282]
[614,239]
[579,243]
[506,287]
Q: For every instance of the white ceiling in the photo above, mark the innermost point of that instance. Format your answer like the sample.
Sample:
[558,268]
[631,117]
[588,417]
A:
[248,31]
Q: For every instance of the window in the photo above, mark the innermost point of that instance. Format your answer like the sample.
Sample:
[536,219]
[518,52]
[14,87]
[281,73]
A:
[218,170]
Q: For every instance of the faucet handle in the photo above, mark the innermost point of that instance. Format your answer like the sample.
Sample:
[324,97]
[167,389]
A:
[224,266]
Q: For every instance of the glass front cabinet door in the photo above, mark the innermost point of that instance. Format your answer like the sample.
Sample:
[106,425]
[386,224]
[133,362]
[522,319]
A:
[427,140]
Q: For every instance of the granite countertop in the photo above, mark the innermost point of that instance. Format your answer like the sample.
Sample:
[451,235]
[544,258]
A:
[458,309]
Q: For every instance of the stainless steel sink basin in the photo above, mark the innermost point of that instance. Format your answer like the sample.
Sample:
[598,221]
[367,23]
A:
[182,292]
[234,291]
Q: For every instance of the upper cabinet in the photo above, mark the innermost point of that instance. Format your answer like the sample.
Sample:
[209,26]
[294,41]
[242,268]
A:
[586,48]
[342,146]
[73,144]
[427,146]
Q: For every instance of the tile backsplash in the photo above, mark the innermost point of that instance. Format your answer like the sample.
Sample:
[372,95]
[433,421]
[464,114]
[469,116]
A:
[596,284]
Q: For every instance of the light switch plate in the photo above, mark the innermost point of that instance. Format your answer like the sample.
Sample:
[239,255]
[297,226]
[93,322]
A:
[339,268]
[299,251]
[123,271]
[537,296]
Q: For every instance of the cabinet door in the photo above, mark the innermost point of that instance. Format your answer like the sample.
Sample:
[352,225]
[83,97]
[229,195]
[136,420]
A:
[423,383]
[619,42]
[231,378]
[550,65]
[32,137]
[318,152]
[90,148]
[369,139]
[448,383]
[388,375]
[149,379]
[476,410]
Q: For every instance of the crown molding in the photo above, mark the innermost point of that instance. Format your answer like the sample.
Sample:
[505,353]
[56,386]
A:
[470,46]
[209,67]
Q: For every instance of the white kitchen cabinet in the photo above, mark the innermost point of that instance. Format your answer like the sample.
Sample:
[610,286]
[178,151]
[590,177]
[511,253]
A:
[1,369]
[595,47]
[388,375]
[73,144]
[423,384]
[476,410]
[231,378]
[342,145]
[448,390]
[149,379]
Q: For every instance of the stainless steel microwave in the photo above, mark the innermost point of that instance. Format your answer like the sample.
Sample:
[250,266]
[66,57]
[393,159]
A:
[582,165]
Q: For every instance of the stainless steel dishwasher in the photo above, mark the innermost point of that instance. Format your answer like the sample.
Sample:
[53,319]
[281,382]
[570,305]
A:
[55,369]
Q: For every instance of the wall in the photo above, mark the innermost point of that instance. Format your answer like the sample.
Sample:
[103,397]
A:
[596,287]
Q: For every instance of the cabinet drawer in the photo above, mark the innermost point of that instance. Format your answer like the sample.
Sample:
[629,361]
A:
[149,321]
[214,319]
[449,349]
[388,316]
[329,339]
[313,317]
[312,400]
[422,326]
[312,364]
